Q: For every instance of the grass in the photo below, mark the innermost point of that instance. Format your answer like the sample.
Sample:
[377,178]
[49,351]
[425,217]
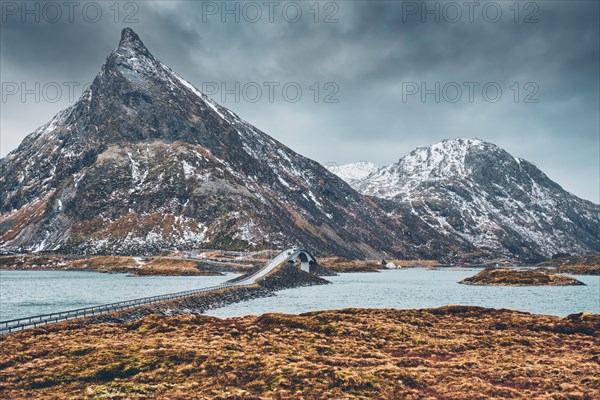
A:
[339,264]
[123,264]
[577,265]
[459,353]
[512,277]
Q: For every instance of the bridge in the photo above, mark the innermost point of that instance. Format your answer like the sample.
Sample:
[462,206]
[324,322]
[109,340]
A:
[291,255]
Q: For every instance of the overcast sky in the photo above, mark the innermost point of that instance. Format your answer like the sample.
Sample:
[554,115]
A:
[370,60]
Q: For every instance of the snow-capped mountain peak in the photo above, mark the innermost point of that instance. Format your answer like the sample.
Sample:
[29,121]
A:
[477,190]
[449,159]
[353,172]
[131,45]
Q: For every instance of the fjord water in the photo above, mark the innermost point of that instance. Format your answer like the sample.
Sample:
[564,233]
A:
[423,288]
[27,293]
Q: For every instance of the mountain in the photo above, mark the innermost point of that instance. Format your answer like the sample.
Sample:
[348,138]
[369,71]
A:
[143,162]
[355,172]
[480,193]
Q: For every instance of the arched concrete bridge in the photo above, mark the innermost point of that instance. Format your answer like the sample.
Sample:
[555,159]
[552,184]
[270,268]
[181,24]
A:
[290,255]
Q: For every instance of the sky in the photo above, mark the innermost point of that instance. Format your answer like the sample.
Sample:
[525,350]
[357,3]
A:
[339,81]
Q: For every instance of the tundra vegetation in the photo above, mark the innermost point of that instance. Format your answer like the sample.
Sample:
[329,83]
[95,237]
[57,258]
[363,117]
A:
[453,352]
[576,265]
[518,277]
[123,264]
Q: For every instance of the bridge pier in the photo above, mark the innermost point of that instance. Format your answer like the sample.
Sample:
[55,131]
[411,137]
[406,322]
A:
[304,261]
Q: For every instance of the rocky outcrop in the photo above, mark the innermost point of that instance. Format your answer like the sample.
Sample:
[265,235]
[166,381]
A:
[320,270]
[287,276]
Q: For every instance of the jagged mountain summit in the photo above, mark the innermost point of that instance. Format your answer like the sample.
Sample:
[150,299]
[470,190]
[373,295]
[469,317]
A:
[480,193]
[143,162]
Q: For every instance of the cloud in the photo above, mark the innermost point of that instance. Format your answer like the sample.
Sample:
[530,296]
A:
[374,49]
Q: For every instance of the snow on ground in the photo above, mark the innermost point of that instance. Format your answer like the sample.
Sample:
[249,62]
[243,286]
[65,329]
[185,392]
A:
[353,172]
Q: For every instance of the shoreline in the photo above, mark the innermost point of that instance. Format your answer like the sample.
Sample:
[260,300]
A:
[218,262]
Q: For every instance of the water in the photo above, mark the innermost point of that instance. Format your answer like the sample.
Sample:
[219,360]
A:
[423,288]
[27,293]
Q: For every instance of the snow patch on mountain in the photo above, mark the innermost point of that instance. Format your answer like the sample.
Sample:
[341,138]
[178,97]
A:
[353,172]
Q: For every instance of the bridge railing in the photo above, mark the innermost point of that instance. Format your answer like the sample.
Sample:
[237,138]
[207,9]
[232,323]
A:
[278,259]
[44,319]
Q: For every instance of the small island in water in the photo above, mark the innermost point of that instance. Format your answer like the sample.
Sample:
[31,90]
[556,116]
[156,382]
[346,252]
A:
[520,277]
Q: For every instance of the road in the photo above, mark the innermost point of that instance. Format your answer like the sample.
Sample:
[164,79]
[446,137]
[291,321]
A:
[280,258]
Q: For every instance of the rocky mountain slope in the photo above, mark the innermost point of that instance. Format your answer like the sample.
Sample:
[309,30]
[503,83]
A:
[480,193]
[144,162]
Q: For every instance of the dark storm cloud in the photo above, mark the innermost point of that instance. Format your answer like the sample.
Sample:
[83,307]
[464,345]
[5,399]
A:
[370,53]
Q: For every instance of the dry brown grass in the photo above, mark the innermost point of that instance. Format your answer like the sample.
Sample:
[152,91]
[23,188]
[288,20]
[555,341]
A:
[512,277]
[416,263]
[166,266]
[459,353]
[103,263]
[123,264]
[339,264]
[577,265]
[579,269]
[13,223]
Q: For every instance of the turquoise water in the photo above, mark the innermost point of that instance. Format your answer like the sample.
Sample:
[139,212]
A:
[422,288]
[27,293]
